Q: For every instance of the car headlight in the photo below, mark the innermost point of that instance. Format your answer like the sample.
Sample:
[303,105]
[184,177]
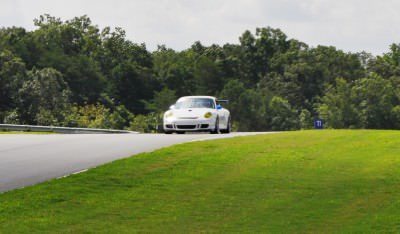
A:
[169,114]
[207,115]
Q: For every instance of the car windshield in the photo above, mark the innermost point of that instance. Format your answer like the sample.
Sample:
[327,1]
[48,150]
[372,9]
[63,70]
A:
[195,103]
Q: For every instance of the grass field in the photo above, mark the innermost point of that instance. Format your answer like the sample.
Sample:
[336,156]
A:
[309,181]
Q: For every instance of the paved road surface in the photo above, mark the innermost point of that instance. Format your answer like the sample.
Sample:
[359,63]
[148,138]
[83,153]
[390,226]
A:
[27,159]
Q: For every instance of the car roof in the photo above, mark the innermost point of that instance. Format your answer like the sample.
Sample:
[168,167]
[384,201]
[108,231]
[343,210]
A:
[197,97]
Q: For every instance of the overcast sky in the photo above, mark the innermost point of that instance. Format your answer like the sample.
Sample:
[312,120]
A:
[351,25]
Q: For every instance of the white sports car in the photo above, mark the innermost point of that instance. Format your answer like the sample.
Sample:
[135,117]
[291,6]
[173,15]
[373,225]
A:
[197,113]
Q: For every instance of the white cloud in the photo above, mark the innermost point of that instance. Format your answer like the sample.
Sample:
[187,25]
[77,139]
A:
[351,25]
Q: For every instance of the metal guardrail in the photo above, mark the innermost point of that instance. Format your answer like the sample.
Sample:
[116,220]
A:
[34,128]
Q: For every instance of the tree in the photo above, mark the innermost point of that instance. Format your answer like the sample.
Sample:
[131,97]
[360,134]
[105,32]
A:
[175,70]
[337,107]
[43,98]
[251,111]
[374,98]
[12,75]
[387,65]
[129,85]
[272,81]
[162,100]
[72,48]
[395,113]
[208,77]
[232,91]
[305,119]
[283,117]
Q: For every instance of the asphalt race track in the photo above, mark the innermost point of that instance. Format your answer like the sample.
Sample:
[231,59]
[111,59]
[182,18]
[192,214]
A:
[27,159]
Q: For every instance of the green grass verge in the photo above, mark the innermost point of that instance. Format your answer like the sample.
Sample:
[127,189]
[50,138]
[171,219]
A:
[309,181]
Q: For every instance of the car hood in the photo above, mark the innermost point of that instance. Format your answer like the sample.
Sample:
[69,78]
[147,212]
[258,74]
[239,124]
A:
[191,113]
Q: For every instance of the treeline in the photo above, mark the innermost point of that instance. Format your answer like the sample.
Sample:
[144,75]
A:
[72,73]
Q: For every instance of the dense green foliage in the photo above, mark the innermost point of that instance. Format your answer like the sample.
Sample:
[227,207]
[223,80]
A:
[332,181]
[62,70]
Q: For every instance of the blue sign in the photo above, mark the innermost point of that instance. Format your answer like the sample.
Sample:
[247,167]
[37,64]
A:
[318,124]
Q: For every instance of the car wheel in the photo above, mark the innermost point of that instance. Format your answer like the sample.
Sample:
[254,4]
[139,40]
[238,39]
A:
[228,128]
[216,128]
[167,132]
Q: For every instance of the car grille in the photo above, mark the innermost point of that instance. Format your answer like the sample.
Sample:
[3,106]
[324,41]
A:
[186,126]
[188,117]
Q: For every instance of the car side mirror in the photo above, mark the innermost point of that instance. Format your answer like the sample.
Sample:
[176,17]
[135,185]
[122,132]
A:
[172,107]
[219,107]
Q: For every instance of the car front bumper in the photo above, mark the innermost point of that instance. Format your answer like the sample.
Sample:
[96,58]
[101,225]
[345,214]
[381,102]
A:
[192,125]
